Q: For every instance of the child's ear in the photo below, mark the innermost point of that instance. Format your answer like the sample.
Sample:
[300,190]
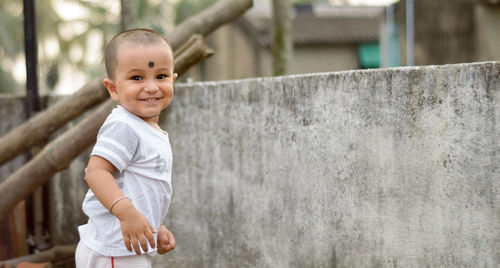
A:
[110,85]
[175,75]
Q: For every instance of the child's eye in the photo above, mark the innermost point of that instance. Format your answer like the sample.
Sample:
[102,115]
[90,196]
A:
[161,76]
[136,77]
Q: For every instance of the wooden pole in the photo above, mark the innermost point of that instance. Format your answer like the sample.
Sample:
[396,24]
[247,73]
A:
[40,127]
[30,49]
[192,52]
[51,255]
[27,212]
[220,13]
[53,158]
[59,153]
[128,14]
[44,124]
[281,46]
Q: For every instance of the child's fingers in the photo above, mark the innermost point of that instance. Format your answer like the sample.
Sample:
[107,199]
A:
[152,229]
[126,241]
[164,248]
[135,245]
[161,248]
[171,240]
[144,243]
[169,247]
[151,240]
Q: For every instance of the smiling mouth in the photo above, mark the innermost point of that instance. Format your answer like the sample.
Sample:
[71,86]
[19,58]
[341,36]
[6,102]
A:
[150,99]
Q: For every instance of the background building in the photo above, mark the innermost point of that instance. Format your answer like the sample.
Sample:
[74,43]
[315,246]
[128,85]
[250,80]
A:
[326,38]
[452,31]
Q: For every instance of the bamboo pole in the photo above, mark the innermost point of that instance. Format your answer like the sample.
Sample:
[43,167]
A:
[51,255]
[40,127]
[56,156]
[207,21]
[59,153]
[128,14]
[192,52]
[44,124]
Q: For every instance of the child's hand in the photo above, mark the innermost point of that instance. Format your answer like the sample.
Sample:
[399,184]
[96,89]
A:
[166,240]
[136,230]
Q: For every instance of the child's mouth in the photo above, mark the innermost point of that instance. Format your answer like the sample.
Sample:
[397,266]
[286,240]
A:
[150,99]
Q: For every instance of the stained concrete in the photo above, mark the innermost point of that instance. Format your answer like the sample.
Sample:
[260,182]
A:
[12,114]
[378,168]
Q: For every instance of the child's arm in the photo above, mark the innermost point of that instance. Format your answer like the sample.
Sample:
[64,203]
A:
[135,227]
[166,240]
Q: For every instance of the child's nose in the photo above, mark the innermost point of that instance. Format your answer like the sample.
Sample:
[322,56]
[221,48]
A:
[151,86]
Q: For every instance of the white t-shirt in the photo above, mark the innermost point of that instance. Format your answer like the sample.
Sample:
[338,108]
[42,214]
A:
[143,158]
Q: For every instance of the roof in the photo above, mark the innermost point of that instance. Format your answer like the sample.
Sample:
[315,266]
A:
[319,24]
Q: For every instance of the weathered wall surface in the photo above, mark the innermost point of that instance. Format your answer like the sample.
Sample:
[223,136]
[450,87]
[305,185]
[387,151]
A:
[380,168]
[12,114]
[66,189]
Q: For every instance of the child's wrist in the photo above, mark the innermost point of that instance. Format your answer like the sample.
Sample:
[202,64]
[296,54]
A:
[124,209]
[116,201]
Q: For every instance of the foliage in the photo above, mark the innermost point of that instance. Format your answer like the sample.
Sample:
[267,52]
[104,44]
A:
[60,41]
[308,1]
[65,41]
[75,43]
[186,8]
[157,15]
[11,40]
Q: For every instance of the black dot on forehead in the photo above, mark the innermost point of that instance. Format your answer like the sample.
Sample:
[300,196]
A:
[151,64]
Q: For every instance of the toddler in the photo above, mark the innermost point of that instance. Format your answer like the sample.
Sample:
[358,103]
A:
[129,171]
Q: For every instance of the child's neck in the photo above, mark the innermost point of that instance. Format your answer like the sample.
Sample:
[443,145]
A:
[152,121]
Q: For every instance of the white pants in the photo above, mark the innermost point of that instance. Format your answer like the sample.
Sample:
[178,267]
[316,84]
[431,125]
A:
[87,258]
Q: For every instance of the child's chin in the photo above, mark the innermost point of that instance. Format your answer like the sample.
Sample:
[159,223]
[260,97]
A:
[150,112]
[149,115]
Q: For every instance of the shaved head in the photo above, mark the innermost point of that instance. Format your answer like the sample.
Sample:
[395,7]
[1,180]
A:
[138,36]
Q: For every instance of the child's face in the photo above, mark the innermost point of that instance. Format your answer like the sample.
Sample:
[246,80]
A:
[144,79]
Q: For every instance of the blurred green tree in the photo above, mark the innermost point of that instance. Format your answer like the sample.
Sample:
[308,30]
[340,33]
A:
[11,38]
[187,8]
[71,35]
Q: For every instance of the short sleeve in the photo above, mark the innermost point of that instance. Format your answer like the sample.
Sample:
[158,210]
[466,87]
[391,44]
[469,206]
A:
[117,143]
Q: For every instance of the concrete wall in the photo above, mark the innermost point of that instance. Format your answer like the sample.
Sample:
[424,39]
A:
[66,189]
[382,168]
[378,168]
[12,114]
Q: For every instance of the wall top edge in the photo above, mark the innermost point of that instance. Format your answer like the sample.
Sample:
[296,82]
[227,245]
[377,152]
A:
[495,65]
